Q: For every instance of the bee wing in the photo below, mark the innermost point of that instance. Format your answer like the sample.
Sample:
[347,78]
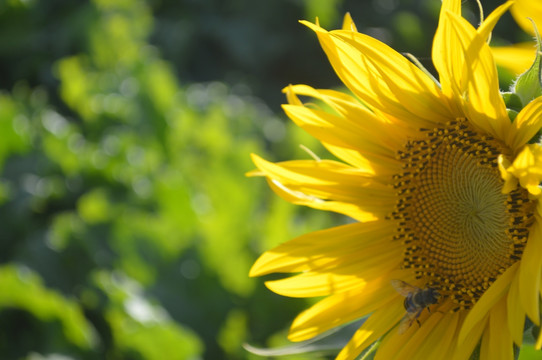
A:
[402,287]
[406,322]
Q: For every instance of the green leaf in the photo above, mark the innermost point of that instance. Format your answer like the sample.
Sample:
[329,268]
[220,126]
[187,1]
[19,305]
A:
[529,84]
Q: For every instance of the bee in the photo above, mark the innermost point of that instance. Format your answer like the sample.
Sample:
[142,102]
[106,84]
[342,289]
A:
[416,299]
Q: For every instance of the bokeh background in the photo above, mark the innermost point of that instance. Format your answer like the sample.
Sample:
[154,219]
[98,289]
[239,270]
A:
[127,225]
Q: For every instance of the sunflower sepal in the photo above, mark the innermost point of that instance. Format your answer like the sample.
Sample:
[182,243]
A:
[512,114]
[528,85]
[512,101]
[513,104]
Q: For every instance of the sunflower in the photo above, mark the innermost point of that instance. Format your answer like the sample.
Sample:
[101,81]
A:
[444,190]
[518,57]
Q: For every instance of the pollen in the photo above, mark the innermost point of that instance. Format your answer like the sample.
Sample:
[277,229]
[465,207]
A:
[459,231]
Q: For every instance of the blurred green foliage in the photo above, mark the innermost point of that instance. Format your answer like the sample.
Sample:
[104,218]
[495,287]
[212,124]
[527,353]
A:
[128,226]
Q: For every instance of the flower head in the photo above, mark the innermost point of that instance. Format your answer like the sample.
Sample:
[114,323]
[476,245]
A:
[446,207]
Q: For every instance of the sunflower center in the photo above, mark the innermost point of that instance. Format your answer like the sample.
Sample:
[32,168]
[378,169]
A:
[460,232]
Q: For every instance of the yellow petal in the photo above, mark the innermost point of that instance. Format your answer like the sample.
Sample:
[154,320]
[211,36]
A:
[356,115]
[515,312]
[354,128]
[357,160]
[479,80]
[517,58]
[326,184]
[510,181]
[314,173]
[526,168]
[372,164]
[416,91]
[501,346]
[300,198]
[492,295]
[379,323]
[443,336]
[464,349]
[334,129]
[529,275]
[348,23]
[348,273]
[489,23]
[430,341]
[374,72]
[310,251]
[341,308]
[538,343]
[523,10]
[526,124]
[485,344]
[446,51]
